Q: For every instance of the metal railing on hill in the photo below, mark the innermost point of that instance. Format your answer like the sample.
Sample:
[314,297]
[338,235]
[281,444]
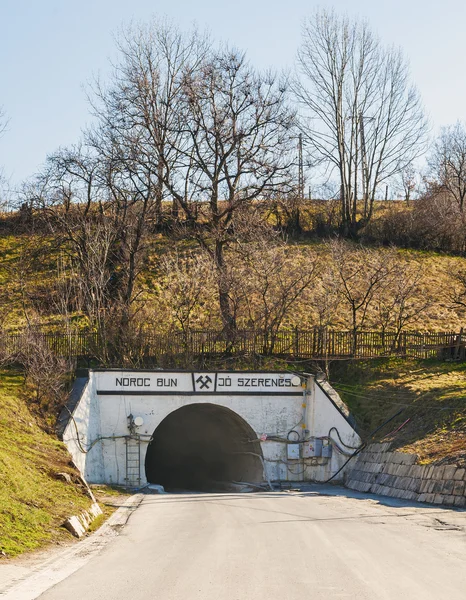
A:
[313,344]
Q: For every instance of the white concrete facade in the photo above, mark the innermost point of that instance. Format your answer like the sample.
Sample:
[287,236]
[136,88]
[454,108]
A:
[272,404]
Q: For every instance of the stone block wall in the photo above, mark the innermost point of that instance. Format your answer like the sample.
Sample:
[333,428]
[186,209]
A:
[396,474]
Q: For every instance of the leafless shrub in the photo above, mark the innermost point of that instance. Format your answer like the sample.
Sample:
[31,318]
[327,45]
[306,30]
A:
[403,299]
[188,285]
[434,222]
[48,374]
[272,279]
[447,162]
[359,274]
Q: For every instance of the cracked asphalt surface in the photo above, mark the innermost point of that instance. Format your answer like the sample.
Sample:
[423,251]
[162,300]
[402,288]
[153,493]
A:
[301,544]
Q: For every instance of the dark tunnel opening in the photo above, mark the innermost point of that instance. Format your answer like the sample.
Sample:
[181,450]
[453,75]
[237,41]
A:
[203,447]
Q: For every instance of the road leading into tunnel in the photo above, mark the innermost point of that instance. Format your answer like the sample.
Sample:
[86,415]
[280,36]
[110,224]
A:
[277,545]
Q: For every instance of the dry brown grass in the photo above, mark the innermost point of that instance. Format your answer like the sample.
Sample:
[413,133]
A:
[432,396]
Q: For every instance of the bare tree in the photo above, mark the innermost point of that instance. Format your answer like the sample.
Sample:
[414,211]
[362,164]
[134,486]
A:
[101,221]
[139,111]
[187,285]
[236,127]
[402,299]
[196,125]
[448,162]
[458,292]
[361,117]
[409,181]
[274,278]
[359,274]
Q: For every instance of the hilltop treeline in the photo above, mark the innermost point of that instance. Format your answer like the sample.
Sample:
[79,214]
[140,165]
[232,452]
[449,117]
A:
[183,205]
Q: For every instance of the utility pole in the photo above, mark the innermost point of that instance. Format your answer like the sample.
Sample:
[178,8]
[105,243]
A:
[364,164]
[300,168]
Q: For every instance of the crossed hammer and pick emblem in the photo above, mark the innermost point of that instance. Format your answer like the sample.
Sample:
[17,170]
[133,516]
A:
[204,382]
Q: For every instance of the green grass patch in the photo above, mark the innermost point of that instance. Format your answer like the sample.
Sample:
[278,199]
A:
[33,502]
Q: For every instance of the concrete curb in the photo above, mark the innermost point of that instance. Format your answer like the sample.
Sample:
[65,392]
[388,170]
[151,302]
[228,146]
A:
[51,571]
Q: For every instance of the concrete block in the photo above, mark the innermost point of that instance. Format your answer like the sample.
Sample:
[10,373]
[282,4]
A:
[449,472]
[460,501]
[85,520]
[438,499]
[415,485]
[382,478]
[438,473]
[447,487]
[449,500]
[405,494]
[95,510]
[416,471]
[391,468]
[362,486]
[427,486]
[438,486]
[385,446]
[460,473]
[428,472]
[404,470]
[74,526]
[397,458]
[459,488]
[409,459]
[352,484]
[402,483]
[396,493]
[429,498]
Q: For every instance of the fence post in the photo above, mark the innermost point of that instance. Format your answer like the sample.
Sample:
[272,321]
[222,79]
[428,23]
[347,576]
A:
[296,342]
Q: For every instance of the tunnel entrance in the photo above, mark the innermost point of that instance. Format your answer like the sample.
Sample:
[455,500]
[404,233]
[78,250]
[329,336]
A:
[202,447]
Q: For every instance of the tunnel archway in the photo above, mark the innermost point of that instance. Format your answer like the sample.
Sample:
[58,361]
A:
[201,447]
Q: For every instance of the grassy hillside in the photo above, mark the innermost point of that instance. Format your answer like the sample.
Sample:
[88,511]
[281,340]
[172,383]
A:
[432,396]
[33,502]
[30,277]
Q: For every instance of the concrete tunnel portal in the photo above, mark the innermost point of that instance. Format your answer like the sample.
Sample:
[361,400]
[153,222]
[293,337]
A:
[202,447]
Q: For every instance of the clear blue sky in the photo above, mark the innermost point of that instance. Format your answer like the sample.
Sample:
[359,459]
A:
[50,49]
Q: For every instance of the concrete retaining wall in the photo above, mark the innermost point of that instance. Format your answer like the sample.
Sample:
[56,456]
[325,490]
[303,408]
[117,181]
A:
[396,474]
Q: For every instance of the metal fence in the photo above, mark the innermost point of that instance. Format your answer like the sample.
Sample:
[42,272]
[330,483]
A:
[317,344]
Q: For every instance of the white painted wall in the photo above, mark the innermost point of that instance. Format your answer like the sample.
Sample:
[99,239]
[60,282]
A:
[102,424]
[83,432]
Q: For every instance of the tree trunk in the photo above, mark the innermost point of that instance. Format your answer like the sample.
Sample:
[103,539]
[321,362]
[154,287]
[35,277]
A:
[226,312]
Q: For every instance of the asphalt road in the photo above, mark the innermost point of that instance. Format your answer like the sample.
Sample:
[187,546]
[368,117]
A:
[277,545]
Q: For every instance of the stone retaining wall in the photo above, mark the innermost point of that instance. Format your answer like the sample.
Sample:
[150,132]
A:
[396,474]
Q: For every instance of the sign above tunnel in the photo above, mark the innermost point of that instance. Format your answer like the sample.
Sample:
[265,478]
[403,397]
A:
[155,383]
